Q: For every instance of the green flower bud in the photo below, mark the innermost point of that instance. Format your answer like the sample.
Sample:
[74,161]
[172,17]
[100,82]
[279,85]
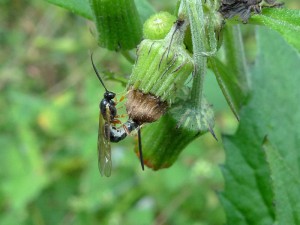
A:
[162,67]
[118,23]
[158,25]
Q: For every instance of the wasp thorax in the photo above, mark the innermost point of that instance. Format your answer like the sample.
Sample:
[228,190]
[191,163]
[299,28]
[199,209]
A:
[108,104]
[144,108]
[162,67]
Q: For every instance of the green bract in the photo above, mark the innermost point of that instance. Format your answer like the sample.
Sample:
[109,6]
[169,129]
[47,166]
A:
[165,139]
[118,23]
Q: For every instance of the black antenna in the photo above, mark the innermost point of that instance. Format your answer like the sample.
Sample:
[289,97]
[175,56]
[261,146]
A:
[140,148]
[96,71]
[178,25]
[169,47]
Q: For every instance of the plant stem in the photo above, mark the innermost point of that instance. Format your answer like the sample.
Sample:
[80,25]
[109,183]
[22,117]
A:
[197,21]
[197,88]
[235,56]
[127,55]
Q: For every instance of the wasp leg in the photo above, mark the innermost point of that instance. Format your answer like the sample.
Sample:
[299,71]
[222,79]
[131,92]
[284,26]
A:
[116,121]
[121,116]
[120,100]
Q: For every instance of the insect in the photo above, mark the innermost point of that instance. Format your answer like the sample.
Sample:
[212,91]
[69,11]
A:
[107,131]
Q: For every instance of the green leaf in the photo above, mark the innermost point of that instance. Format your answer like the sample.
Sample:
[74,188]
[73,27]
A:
[232,90]
[79,7]
[232,74]
[273,110]
[82,8]
[286,187]
[285,21]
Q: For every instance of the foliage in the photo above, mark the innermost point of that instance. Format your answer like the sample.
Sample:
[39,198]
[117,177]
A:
[49,121]
[252,175]
[82,8]
[49,101]
[285,21]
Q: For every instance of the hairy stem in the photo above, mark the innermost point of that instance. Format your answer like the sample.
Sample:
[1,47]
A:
[197,21]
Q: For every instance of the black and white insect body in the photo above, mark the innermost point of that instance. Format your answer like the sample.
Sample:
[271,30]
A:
[118,134]
[107,131]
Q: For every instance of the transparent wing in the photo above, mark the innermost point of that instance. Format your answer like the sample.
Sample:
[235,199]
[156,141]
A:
[104,149]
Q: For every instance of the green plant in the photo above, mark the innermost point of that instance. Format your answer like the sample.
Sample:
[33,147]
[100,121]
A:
[262,162]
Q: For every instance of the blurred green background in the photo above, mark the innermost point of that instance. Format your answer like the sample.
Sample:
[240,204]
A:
[49,123]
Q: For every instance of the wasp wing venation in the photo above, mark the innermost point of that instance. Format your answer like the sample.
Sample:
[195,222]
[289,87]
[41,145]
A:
[104,148]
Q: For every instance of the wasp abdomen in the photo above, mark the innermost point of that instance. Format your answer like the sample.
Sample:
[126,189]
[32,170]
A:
[118,134]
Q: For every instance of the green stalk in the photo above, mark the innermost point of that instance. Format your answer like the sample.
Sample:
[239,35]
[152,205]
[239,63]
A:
[118,24]
[130,57]
[197,22]
[235,56]
[197,88]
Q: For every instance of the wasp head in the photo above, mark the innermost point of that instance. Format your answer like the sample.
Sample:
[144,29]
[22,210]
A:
[108,95]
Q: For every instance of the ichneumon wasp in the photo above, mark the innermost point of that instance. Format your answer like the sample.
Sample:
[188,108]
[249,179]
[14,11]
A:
[108,132]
